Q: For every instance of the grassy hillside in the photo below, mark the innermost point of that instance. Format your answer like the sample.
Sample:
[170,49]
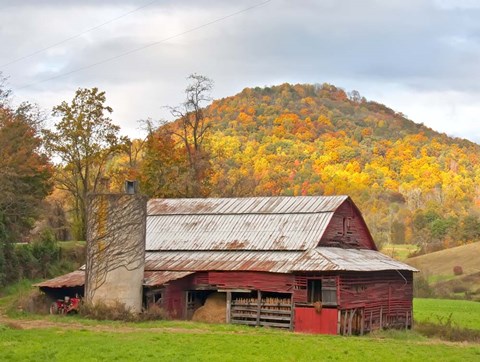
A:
[437,268]
[441,263]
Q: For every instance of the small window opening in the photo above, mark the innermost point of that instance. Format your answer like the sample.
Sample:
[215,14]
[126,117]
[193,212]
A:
[314,290]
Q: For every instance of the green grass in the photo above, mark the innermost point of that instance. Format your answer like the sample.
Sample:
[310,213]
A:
[71,244]
[89,340]
[399,251]
[86,345]
[9,294]
[463,313]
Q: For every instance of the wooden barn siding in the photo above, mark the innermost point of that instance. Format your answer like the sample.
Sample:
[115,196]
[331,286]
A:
[268,282]
[358,229]
[174,296]
[174,293]
[386,296]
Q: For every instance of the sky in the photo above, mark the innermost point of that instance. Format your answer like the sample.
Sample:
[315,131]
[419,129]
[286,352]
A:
[418,57]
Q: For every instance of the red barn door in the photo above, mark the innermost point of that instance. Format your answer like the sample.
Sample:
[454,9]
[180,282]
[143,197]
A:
[308,320]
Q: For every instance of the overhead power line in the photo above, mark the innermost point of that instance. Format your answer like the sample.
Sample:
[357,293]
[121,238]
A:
[145,46]
[76,35]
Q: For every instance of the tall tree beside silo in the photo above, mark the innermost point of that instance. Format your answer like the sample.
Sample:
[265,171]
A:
[193,129]
[83,141]
[25,178]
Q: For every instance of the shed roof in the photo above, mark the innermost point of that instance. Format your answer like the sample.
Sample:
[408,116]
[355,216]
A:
[73,279]
[77,279]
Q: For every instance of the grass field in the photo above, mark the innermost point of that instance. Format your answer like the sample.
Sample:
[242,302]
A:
[399,251]
[462,313]
[56,338]
[255,345]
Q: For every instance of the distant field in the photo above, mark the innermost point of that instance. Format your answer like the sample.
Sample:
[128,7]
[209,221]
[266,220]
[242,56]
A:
[442,262]
[399,251]
[462,313]
[71,244]
[437,268]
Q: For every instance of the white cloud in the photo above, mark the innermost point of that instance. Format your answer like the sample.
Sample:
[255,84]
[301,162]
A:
[418,57]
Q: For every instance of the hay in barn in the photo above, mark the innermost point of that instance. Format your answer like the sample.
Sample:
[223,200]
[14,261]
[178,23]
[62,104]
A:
[214,309]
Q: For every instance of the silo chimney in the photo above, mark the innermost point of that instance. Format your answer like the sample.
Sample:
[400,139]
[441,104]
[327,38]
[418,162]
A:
[116,248]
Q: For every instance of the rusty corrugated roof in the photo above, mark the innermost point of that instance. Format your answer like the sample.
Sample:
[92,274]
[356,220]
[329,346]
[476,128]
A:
[77,279]
[246,205]
[254,223]
[331,258]
[155,278]
[236,232]
[318,259]
[270,234]
[73,279]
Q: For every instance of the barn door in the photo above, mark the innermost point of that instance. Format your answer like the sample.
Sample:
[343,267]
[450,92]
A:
[189,304]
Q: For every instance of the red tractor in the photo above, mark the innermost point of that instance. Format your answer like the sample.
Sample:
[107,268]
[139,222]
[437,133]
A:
[65,306]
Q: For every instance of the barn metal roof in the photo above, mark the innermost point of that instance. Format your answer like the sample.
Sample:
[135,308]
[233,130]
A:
[246,205]
[269,234]
[253,223]
[318,259]
[236,232]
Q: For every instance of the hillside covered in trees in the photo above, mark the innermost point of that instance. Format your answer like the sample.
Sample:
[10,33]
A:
[412,184]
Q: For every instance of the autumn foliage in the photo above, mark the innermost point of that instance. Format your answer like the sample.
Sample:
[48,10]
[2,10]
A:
[319,140]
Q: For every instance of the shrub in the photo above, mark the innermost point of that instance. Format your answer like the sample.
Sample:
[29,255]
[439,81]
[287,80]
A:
[422,288]
[33,302]
[445,329]
[23,299]
[459,288]
[119,312]
[457,270]
[154,312]
[101,311]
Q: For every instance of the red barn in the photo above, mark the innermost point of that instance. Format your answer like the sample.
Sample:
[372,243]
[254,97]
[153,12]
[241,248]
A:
[304,263]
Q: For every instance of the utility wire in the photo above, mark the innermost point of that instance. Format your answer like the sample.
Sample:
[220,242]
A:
[76,35]
[145,46]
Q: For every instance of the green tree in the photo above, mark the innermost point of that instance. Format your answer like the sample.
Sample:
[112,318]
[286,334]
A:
[470,228]
[397,232]
[25,174]
[83,140]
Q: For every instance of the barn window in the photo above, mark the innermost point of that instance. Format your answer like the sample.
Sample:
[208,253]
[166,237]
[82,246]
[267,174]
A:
[346,226]
[154,296]
[329,291]
[322,290]
[314,290]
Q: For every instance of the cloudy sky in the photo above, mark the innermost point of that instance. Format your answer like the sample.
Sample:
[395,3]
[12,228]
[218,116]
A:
[419,57]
